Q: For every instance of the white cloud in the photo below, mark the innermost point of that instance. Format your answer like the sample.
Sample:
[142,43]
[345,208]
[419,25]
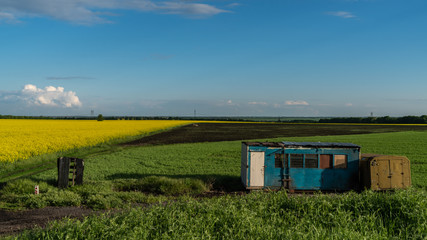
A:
[8,18]
[258,103]
[349,104]
[49,96]
[96,11]
[277,105]
[341,14]
[298,102]
[232,5]
[222,103]
[231,103]
[189,9]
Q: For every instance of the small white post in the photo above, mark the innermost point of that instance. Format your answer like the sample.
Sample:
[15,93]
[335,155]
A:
[36,189]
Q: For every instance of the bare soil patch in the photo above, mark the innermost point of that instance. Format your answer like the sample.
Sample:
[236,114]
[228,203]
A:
[214,132]
[12,222]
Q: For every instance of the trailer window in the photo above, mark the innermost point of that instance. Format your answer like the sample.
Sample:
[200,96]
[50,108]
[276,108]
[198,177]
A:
[340,161]
[297,160]
[311,160]
[278,160]
[325,161]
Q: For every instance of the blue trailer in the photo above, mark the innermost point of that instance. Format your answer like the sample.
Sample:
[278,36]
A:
[300,165]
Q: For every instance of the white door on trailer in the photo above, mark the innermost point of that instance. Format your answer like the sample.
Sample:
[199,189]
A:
[257,169]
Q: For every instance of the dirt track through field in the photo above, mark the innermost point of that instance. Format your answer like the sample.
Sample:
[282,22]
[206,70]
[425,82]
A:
[16,221]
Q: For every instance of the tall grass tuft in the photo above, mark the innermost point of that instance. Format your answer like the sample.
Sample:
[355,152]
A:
[163,185]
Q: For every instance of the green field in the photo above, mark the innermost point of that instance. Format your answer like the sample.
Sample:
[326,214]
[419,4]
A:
[185,172]
[271,215]
[219,160]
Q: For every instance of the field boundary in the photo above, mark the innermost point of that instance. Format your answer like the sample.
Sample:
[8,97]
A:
[26,172]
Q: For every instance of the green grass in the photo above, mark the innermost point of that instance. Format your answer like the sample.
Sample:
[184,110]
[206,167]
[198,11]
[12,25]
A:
[163,185]
[171,170]
[219,162]
[210,162]
[157,174]
[19,194]
[272,215]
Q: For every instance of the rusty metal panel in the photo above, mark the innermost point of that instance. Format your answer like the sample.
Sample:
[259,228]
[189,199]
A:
[399,173]
[325,161]
[396,174]
[383,172]
[406,172]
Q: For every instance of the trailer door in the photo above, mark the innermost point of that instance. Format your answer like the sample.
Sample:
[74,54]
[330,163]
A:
[257,169]
[390,173]
[383,174]
[396,173]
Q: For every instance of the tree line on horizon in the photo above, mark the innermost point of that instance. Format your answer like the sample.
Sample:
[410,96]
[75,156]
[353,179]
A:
[373,120]
[379,120]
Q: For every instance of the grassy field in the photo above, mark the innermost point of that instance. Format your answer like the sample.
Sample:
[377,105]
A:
[273,215]
[220,161]
[155,174]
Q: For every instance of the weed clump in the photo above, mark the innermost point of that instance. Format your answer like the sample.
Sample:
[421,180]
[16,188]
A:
[20,194]
[23,186]
[163,185]
[101,201]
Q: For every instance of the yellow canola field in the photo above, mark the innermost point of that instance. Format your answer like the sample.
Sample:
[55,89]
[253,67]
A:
[22,138]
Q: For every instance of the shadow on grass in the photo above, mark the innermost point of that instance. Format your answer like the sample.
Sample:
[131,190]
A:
[217,182]
[51,182]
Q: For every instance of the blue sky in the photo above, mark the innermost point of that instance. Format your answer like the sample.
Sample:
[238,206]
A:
[220,57]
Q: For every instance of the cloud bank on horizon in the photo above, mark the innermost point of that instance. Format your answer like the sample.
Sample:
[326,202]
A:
[88,12]
[49,96]
[56,98]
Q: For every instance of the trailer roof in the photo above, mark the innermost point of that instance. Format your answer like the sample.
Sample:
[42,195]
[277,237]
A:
[320,144]
[304,144]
